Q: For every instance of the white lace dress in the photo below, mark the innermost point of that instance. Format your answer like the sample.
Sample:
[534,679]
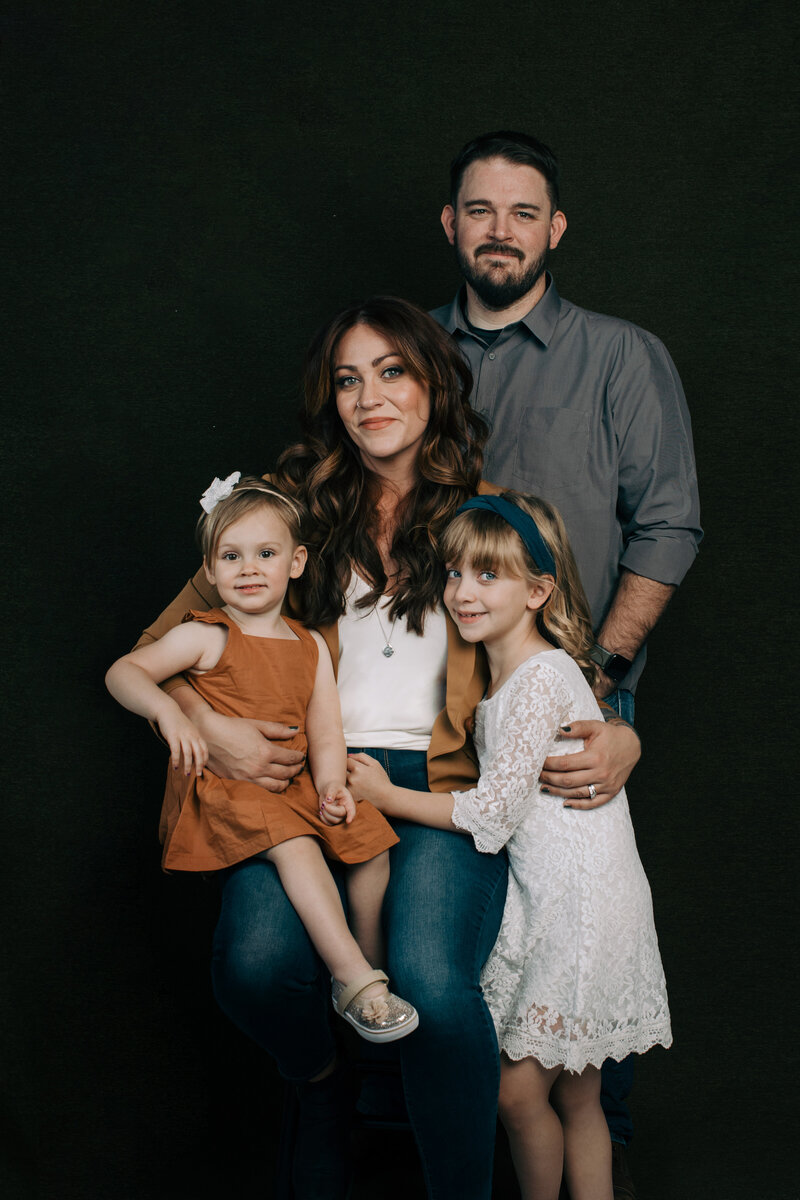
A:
[575,976]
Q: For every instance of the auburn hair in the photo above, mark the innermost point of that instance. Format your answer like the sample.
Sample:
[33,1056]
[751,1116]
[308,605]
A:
[326,472]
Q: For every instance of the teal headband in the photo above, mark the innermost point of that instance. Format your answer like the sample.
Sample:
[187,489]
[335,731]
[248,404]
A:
[524,525]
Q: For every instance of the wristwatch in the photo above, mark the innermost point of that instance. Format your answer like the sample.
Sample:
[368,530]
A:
[615,666]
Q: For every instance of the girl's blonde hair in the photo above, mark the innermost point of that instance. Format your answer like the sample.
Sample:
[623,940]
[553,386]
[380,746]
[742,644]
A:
[486,541]
[250,493]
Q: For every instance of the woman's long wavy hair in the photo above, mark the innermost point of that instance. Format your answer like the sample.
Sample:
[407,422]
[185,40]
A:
[489,543]
[326,472]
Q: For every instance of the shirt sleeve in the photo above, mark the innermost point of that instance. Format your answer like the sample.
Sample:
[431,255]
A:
[538,702]
[658,502]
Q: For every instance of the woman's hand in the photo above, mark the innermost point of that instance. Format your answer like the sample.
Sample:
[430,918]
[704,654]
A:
[367,779]
[336,805]
[611,751]
[247,749]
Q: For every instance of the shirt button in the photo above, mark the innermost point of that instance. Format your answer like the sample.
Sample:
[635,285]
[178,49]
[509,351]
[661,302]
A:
[492,355]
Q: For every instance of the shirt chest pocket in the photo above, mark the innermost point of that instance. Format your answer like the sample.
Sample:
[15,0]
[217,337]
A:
[552,450]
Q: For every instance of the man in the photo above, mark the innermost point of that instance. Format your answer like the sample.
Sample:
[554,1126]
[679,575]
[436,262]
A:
[588,412]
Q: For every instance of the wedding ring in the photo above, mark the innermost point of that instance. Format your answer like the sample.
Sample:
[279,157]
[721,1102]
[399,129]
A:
[592,791]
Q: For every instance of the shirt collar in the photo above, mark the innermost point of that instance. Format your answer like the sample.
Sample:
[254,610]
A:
[540,321]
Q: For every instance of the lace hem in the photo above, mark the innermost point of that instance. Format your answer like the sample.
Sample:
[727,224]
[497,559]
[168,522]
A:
[574,1056]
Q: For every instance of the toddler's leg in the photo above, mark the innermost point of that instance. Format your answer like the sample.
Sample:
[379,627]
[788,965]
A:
[533,1128]
[309,885]
[587,1149]
[366,887]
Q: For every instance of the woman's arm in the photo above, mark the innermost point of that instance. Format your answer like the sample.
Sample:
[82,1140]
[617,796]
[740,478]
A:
[611,749]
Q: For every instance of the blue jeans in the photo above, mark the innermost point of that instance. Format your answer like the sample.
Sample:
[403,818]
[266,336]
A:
[442,914]
[616,1078]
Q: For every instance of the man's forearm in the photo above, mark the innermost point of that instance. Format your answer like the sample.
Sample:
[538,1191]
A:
[635,611]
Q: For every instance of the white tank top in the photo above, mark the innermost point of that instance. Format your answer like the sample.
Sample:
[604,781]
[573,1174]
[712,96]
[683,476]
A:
[389,701]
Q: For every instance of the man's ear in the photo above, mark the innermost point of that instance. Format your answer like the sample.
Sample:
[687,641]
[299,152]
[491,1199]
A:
[449,222]
[299,559]
[540,591]
[558,225]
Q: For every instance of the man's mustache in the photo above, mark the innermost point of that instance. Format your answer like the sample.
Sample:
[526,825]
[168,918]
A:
[494,247]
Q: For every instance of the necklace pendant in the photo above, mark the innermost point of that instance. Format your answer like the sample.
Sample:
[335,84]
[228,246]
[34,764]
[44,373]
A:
[387,651]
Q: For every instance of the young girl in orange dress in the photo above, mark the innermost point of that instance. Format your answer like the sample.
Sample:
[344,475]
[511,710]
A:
[248,660]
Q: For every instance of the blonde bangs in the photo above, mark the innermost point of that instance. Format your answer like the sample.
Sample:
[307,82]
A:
[486,542]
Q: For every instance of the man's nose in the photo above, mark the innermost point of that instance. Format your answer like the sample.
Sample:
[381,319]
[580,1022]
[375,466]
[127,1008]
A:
[499,227]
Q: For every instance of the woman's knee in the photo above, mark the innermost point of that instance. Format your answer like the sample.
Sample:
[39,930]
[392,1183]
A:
[261,950]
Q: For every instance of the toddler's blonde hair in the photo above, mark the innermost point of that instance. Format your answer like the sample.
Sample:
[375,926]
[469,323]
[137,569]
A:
[250,493]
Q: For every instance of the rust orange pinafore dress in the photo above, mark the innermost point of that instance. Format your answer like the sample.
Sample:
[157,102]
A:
[210,823]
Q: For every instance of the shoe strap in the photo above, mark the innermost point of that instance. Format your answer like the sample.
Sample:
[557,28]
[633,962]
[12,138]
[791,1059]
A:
[349,993]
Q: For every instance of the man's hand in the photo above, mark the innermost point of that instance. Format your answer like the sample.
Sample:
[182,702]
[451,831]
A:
[336,805]
[611,751]
[240,748]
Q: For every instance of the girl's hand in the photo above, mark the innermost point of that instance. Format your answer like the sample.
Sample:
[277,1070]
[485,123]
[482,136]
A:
[367,779]
[187,747]
[336,805]
[611,751]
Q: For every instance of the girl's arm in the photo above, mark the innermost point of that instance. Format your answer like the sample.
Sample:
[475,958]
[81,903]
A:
[240,748]
[133,680]
[368,781]
[327,753]
[492,809]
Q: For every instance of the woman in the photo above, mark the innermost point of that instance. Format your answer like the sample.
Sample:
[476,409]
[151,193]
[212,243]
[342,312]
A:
[391,449]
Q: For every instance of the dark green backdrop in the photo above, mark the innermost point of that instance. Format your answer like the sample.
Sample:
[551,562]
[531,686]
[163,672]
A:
[196,187]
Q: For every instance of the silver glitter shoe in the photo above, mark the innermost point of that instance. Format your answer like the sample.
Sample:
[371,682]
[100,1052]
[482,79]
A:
[377,1018]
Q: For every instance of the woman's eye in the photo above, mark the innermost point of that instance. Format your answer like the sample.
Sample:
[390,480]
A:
[344,381]
[392,372]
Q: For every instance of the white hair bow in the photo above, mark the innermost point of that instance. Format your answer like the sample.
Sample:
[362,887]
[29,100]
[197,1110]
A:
[218,490]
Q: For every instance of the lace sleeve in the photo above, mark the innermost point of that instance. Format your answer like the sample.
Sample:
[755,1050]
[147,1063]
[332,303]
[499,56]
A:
[538,702]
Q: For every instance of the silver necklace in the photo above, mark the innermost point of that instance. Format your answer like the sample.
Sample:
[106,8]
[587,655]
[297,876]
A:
[388,649]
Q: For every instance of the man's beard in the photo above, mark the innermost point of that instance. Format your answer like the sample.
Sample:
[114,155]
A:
[500,289]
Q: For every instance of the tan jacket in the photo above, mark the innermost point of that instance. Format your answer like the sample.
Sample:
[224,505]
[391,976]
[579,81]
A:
[452,762]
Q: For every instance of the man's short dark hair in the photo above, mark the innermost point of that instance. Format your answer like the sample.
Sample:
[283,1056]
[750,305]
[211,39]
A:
[520,148]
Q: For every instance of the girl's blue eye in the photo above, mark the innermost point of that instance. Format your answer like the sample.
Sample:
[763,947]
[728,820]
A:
[487,575]
[453,573]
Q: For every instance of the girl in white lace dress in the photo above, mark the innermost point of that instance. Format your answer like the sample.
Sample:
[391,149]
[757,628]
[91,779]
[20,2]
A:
[575,976]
